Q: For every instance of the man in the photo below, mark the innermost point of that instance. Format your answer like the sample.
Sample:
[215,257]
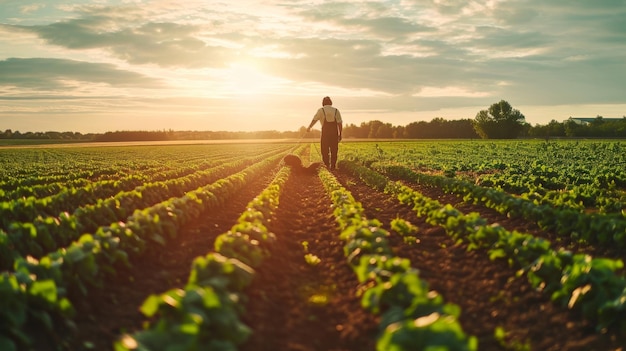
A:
[332,126]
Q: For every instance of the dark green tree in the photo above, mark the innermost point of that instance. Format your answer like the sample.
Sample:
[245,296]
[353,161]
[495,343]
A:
[550,130]
[500,121]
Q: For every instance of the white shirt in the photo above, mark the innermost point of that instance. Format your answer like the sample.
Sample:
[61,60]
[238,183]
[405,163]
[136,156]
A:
[328,111]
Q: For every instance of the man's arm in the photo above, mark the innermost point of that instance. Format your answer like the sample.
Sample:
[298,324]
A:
[315,118]
[340,129]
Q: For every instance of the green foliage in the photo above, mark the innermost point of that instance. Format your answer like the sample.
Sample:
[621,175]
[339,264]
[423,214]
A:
[433,332]
[500,121]
[411,315]
[242,247]
[311,259]
[26,301]
[41,288]
[381,268]
[600,127]
[588,285]
[206,313]
[403,227]
[220,273]
[189,318]
[61,236]
[32,228]
[571,218]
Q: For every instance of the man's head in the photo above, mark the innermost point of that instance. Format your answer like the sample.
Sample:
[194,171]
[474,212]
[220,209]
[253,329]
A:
[326,101]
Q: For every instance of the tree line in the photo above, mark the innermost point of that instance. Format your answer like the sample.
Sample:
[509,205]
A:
[502,121]
[73,136]
[499,121]
[598,128]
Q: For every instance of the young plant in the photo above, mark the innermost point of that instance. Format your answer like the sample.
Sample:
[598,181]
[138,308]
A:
[312,260]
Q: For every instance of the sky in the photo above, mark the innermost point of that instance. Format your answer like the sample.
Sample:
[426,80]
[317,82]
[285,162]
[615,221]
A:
[107,65]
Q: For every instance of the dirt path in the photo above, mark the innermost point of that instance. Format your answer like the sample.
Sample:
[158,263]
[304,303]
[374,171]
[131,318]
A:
[297,306]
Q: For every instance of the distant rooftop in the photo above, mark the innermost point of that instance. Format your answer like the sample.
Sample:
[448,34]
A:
[587,120]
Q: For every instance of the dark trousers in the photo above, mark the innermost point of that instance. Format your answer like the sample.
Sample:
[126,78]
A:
[330,144]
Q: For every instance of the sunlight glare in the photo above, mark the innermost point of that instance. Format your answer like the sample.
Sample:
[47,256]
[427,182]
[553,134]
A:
[245,79]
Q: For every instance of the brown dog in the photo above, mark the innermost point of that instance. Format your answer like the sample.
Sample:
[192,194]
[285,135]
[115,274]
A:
[295,163]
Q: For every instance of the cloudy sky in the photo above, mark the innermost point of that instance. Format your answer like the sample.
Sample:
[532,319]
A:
[103,65]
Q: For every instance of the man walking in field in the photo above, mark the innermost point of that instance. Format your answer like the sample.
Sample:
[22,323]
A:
[332,126]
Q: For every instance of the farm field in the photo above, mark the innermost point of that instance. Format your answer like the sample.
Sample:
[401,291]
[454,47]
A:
[469,245]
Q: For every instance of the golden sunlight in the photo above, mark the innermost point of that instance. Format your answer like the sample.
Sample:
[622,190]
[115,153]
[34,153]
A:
[244,78]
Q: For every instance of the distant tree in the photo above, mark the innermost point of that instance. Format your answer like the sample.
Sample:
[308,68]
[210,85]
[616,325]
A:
[556,128]
[349,131]
[372,128]
[398,132]
[353,131]
[573,129]
[131,135]
[461,128]
[53,135]
[384,130]
[412,129]
[500,121]
[597,122]
[550,130]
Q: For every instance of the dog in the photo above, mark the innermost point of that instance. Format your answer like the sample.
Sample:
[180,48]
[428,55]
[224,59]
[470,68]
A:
[295,163]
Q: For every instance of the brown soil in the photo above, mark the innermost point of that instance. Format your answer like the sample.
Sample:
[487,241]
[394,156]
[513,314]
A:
[297,306]
[487,291]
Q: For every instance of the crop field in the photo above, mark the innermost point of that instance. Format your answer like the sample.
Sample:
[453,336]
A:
[408,245]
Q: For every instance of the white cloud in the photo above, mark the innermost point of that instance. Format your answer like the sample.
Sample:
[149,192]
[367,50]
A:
[450,92]
[398,56]
[26,9]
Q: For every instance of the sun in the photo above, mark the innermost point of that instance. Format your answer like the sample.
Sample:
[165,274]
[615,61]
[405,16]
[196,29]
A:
[246,79]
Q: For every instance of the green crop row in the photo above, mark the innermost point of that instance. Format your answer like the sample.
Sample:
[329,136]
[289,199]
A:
[204,315]
[412,316]
[23,168]
[578,281]
[564,162]
[601,193]
[521,178]
[581,198]
[122,179]
[58,174]
[594,228]
[585,175]
[26,209]
[46,234]
[41,289]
